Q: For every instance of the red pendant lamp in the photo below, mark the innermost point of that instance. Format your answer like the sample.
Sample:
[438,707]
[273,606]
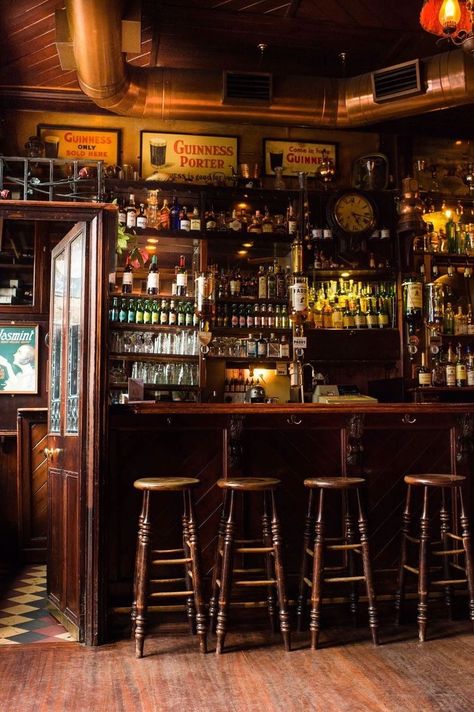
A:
[454,18]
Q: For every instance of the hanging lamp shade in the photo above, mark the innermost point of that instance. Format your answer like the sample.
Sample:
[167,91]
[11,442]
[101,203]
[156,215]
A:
[429,18]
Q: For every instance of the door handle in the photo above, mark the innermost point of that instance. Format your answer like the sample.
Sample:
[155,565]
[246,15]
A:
[51,452]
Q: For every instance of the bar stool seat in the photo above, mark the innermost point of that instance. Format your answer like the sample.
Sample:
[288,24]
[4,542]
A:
[270,546]
[452,572]
[316,545]
[188,556]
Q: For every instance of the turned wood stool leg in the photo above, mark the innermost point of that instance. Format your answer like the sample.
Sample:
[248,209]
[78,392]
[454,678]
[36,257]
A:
[349,538]
[133,612]
[316,589]
[188,568]
[364,540]
[143,553]
[195,551]
[444,520]
[423,568]
[280,576]
[301,606]
[226,576]
[405,532]
[216,573]
[267,541]
[466,540]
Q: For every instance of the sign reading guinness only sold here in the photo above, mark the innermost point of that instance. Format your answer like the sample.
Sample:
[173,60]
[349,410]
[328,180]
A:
[187,157]
[76,143]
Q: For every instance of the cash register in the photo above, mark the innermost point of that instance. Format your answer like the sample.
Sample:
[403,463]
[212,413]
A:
[340,395]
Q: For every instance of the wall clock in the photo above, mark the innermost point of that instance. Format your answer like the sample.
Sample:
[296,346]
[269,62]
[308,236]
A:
[352,212]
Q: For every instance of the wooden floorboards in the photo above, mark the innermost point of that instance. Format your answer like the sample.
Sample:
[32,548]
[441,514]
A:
[346,675]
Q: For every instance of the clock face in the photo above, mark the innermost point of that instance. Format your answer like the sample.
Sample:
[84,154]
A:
[354,213]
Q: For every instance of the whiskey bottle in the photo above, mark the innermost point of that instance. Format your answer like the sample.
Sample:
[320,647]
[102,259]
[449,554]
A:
[172,314]
[413,303]
[450,368]
[251,347]
[142,220]
[131,211]
[127,278]
[153,279]
[424,373]
[470,367]
[461,371]
[174,214]
[181,278]
[261,347]
[184,220]
[262,283]
[195,220]
[164,216]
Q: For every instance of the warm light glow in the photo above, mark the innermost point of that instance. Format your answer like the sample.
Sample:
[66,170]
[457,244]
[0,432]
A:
[152,241]
[151,248]
[345,274]
[247,244]
[458,143]
[448,213]
[449,15]
[241,252]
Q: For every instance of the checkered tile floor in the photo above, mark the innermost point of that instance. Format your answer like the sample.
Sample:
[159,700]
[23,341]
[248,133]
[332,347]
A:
[23,614]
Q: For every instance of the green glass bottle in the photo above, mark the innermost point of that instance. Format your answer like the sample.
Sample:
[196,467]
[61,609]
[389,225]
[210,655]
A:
[131,311]
[139,312]
[123,312]
[155,312]
[146,312]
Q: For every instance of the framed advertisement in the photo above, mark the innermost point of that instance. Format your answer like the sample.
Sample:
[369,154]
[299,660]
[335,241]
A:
[187,157]
[295,156]
[18,358]
[80,142]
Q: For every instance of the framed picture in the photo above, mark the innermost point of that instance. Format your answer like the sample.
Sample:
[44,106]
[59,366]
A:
[18,358]
[79,142]
[187,157]
[295,156]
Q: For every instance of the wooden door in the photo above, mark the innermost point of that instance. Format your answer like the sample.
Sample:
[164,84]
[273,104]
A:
[67,417]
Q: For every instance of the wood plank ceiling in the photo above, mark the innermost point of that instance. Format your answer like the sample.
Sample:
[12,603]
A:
[303,37]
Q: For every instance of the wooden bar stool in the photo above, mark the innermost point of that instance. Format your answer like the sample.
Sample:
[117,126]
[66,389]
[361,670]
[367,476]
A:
[316,544]
[270,546]
[188,556]
[448,484]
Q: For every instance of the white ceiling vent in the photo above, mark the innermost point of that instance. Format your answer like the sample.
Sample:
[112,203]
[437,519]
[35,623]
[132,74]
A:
[397,81]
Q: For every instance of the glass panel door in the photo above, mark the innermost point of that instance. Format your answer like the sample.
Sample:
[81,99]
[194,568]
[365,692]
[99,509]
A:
[75,306]
[57,315]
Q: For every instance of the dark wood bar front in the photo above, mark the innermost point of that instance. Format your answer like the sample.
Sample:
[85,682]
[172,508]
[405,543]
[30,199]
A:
[381,443]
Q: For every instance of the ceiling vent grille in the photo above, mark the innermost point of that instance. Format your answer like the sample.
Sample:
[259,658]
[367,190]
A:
[397,81]
[247,87]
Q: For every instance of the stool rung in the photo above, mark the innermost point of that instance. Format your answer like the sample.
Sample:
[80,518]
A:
[267,582]
[310,552]
[247,541]
[454,536]
[249,571]
[168,580]
[308,582]
[413,539]
[248,604]
[447,582]
[343,547]
[447,552]
[169,594]
[343,579]
[167,551]
[164,562]
[411,568]
[457,566]
[254,549]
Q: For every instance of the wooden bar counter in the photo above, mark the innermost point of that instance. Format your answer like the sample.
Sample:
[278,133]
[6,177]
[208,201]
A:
[381,442]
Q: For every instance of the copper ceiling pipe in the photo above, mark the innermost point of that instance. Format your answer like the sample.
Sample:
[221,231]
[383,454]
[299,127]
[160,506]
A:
[188,94]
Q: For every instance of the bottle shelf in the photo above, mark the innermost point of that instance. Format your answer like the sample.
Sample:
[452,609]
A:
[349,273]
[265,362]
[247,299]
[123,385]
[140,356]
[140,295]
[245,331]
[125,326]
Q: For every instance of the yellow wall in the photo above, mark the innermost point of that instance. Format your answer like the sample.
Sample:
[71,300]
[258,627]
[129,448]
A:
[22,124]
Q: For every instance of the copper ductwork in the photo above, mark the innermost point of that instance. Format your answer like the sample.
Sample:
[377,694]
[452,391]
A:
[316,102]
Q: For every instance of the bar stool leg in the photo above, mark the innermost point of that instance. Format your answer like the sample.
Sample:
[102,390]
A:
[188,568]
[423,567]
[316,589]
[280,576]
[466,539]
[405,531]
[133,612]
[195,552]
[143,553]
[217,566]
[301,605]
[267,541]
[444,519]
[349,538]
[364,540]
[226,577]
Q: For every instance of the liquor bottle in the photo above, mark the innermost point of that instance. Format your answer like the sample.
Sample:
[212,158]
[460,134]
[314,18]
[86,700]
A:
[234,224]
[234,319]
[139,312]
[348,321]
[123,312]
[285,318]
[280,282]
[469,367]
[127,278]
[181,314]
[152,209]
[262,283]
[165,216]
[122,215]
[424,373]
[242,316]
[131,311]
[413,303]
[270,317]
[251,347]
[382,314]
[256,316]
[235,283]
[284,347]
[164,313]
[450,229]
[470,322]
[249,316]
[155,312]
[360,318]
[114,310]
[131,211]
[263,316]
[174,214]
[291,220]
[450,368]
[261,347]
[461,371]
[153,279]
[210,221]
[448,319]
[255,226]
[273,348]
[146,312]
[142,220]
[181,278]
[172,314]
[267,222]
[222,221]
[184,219]
[189,316]
[271,283]
[195,220]
[459,322]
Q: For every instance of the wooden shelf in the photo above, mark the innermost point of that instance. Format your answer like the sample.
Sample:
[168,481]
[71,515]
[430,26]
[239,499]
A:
[156,387]
[169,358]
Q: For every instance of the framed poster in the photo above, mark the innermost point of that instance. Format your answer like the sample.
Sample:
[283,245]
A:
[18,358]
[295,156]
[80,142]
[187,157]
